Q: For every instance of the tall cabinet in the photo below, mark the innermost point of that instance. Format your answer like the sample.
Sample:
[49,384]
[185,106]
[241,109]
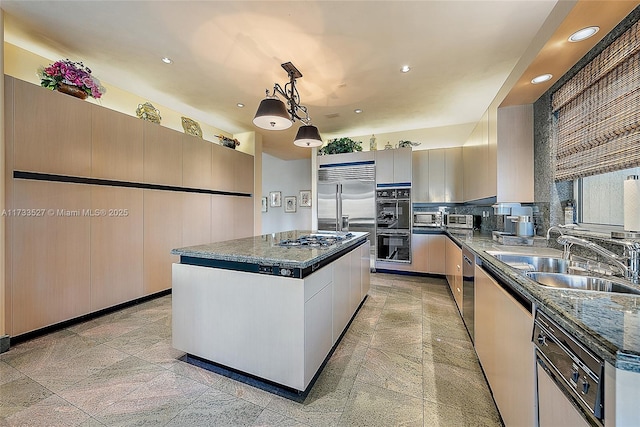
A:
[498,156]
[114,195]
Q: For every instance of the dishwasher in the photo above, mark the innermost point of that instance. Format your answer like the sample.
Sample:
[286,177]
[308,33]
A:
[570,378]
[468,291]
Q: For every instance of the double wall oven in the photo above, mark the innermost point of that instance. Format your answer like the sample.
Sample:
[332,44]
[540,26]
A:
[393,223]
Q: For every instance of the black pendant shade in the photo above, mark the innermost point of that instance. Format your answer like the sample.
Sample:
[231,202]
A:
[308,136]
[272,114]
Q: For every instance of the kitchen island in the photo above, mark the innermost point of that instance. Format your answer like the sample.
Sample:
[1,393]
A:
[270,311]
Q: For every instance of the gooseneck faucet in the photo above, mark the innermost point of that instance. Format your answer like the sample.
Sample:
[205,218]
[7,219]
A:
[628,264]
[557,228]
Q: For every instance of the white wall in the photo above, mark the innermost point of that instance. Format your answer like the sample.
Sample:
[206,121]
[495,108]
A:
[289,177]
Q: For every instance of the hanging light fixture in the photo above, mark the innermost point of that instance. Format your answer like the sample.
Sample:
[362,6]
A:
[273,114]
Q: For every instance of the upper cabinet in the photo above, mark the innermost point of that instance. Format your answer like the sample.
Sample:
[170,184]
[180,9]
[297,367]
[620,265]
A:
[393,166]
[52,131]
[357,156]
[437,175]
[515,154]
[116,146]
[498,157]
[162,155]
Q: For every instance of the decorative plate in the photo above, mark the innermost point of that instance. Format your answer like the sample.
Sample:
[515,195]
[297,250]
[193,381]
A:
[148,112]
[191,127]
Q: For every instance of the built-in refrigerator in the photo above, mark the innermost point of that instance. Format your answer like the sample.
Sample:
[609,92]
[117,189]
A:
[346,197]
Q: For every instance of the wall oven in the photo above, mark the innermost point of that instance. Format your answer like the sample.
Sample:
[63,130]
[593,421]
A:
[393,224]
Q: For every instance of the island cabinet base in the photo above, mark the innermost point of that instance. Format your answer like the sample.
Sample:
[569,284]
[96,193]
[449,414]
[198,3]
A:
[274,328]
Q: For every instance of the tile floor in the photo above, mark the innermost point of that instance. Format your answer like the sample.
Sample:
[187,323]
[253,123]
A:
[406,360]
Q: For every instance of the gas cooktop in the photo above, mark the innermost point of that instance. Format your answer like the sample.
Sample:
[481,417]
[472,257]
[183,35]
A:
[316,240]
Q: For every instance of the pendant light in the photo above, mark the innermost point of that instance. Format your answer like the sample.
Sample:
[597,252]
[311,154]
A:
[308,136]
[273,114]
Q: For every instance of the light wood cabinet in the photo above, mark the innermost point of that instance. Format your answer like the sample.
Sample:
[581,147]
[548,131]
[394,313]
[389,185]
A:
[393,166]
[356,156]
[438,175]
[196,219]
[437,257]
[503,344]
[222,218]
[116,246]
[515,154]
[243,173]
[51,271]
[242,217]
[453,175]
[116,146]
[222,168]
[553,406]
[196,162]
[475,158]
[420,176]
[498,157]
[52,131]
[71,262]
[162,232]
[162,155]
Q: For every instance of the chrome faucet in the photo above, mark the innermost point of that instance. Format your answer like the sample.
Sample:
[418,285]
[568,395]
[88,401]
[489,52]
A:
[628,264]
[558,228]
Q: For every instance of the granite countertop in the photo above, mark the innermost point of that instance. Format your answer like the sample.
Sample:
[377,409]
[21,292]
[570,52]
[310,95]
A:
[264,249]
[607,323]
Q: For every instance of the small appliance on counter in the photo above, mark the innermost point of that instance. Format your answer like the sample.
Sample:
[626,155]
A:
[517,225]
[459,221]
[427,219]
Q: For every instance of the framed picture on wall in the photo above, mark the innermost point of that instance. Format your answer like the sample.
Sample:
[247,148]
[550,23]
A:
[275,199]
[290,204]
[305,198]
[264,204]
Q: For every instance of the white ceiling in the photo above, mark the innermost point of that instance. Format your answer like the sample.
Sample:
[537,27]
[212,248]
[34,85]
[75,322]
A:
[349,52]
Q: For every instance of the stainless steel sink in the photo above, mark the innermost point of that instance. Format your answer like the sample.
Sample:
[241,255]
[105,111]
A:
[585,283]
[539,263]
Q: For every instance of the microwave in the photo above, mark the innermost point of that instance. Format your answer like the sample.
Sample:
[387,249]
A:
[459,221]
[427,219]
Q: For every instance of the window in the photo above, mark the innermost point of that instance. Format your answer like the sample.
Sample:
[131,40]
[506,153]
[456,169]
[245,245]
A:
[600,197]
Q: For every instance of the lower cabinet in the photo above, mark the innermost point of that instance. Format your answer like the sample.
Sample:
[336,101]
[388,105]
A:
[503,344]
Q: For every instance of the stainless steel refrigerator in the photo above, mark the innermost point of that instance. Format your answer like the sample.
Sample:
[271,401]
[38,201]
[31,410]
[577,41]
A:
[346,197]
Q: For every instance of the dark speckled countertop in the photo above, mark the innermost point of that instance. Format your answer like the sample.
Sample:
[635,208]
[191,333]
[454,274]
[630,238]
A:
[265,250]
[606,323]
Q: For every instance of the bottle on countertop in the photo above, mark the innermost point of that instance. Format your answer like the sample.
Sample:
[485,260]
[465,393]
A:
[569,213]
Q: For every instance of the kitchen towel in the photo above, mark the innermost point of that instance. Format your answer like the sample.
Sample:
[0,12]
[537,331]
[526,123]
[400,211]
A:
[632,203]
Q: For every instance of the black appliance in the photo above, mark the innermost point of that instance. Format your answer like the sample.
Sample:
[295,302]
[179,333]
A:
[468,292]
[393,223]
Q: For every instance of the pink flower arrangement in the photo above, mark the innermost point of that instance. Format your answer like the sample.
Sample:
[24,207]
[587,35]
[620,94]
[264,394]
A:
[71,73]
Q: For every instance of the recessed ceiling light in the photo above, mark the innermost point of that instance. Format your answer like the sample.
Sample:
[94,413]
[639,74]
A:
[405,69]
[167,60]
[541,79]
[357,111]
[583,34]
[240,104]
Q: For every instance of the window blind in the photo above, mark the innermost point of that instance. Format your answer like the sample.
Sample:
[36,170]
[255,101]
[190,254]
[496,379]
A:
[598,110]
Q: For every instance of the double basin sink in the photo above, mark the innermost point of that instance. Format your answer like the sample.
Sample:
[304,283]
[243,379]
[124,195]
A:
[556,272]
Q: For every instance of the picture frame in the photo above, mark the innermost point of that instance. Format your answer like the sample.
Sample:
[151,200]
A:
[264,204]
[275,199]
[290,204]
[305,198]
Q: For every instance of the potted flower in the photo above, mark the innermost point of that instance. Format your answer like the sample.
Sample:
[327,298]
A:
[340,145]
[73,78]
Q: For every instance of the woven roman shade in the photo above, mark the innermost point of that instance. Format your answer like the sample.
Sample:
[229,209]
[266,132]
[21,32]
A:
[598,112]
